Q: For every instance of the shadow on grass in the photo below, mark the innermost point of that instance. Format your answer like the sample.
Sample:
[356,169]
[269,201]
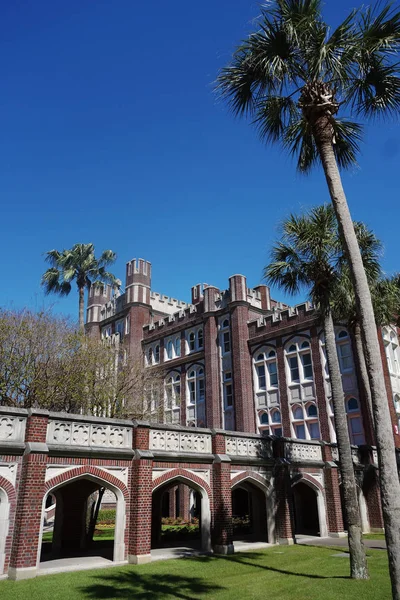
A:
[248,558]
[133,584]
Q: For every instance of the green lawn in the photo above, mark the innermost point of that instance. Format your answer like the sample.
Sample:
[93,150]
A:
[101,534]
[374,536]
[285,573]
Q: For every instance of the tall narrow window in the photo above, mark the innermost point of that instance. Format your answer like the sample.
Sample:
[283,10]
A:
[307,366]
[200,341]
[157,354]
[354,420]
[169,349]
[294,368]
[177,346]
[273,374]
[225,338]
[192,341]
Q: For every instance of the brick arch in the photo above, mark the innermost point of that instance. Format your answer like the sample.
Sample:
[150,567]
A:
[300,334]
[260,346]
[305,477]
[9,489]
[249,475]
[176,473]
[81,472]
[193,365]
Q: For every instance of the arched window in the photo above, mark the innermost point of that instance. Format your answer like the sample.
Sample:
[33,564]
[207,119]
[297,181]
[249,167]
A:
[270,422]
[150,356]
[266,370]
[305,424]
[354,421]
[196,388]
[172,397]
[169,349]
[276,416]
[312,410]
[157,354]
[195,339]
[299,361]
[225,337]
[192,341]
[200,342]
[177,346]
[344,351]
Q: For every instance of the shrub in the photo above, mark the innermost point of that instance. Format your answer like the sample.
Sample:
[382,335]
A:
[106,516]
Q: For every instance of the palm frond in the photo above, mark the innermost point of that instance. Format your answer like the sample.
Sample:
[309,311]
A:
[53,282]
[379,27]
[299,141]
[347,136]
[376,92]
[273,116]
[107,258]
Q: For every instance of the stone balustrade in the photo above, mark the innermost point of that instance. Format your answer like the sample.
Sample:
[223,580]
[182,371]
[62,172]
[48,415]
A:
[297,451]
[12,426]
[167,440]
[248,447]
[92,435]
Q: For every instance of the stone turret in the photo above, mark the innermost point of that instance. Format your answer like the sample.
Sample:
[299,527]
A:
[138,281]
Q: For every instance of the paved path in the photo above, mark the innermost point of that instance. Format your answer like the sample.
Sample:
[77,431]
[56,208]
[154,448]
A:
[338,542]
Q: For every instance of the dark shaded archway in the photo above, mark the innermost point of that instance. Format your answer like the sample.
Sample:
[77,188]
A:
[200,489]
[76,531]
[305,507]
[249,513]
[176,516]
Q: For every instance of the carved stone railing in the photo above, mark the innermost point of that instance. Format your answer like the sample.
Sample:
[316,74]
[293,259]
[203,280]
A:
[180,441]
[12,427]
[298,452]
[96,435]
[355,454]
[251,447]
[335,453]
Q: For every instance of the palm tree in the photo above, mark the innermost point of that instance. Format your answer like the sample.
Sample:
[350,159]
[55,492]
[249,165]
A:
[308,256]
[79,264]
[293,77]
[385,294]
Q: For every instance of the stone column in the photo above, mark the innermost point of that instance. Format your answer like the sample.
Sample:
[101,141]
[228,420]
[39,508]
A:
[26,547]
[141,498]
[222,530]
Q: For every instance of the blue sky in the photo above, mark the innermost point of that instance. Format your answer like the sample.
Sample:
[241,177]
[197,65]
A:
[111,134]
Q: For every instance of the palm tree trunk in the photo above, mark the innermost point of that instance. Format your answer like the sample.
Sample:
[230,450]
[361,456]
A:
[389,478]
[358,561]
[363,372]
[81,308]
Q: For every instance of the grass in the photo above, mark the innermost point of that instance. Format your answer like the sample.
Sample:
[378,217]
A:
[374,536]
[284,572]
[106,533]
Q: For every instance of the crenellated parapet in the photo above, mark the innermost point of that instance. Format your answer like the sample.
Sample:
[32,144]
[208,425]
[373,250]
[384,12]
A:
[280,317]
[138,281]
[99,295]
[165,325]
[166,304]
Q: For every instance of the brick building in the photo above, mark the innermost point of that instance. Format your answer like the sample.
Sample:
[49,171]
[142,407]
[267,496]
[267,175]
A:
[238,360]
[248,435]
